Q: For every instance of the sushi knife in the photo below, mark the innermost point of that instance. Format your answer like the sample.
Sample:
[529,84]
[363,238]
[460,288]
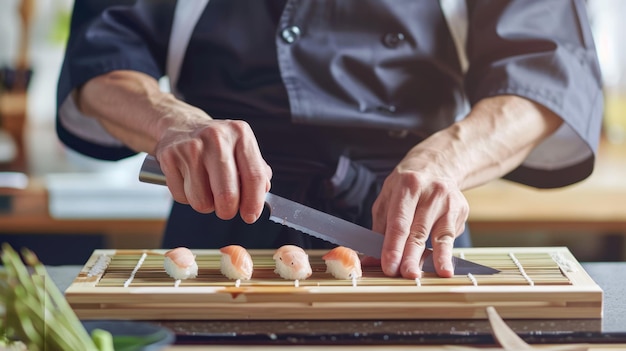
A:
[324,226]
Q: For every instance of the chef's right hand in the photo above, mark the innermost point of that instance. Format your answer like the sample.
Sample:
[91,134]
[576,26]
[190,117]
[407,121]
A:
[214,165]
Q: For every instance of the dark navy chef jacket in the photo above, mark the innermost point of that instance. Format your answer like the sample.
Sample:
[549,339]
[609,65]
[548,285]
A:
[329,80]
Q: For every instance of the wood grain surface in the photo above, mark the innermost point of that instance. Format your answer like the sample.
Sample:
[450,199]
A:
[533,283]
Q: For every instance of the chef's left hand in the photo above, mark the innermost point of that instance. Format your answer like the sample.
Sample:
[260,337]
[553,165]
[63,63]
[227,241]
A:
[418,200]
[422,196]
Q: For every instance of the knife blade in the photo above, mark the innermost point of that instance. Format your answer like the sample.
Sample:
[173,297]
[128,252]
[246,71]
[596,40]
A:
[324,226]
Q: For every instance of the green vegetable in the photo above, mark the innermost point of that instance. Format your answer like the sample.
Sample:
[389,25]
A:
[36,312]
[132,343]
[102,339]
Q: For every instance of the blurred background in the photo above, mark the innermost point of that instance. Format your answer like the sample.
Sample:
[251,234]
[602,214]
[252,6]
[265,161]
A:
[63,205]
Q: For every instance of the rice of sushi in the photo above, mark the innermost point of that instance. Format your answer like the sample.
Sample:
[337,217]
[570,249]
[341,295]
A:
[180,263]
[343,263]
[236,263]
[292,263]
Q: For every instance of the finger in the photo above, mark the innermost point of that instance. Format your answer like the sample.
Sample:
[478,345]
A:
[197,188]
[461,219]
[460,229]
[423,221]
[410,267]
[222,170]
[196,178]
[400,212]
[411,262]
[173,179]
[253,177]
[379,217]
[443,242]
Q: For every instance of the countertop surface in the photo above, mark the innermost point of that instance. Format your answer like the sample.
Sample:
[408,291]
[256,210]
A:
[611,277]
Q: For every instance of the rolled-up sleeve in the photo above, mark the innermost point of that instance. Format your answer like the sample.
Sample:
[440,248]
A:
[543,51]
[131,37]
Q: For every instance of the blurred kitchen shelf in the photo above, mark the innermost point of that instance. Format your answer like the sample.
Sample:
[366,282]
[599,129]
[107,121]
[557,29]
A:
[105,195]
[27,212]
[594,206]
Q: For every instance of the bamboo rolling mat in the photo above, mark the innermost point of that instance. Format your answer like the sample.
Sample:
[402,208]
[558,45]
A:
[537,283]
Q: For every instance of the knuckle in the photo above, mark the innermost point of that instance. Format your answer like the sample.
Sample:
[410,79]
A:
[391,255]
[439,187]
[444,231]
[240,127]
[256,176]
[397,230]
[165,156]
[420,234]
[227,197]
[411,181]
[226,204]
[215,135]
[446,238]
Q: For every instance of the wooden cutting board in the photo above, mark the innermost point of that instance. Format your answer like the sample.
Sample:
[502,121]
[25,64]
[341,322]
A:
[536,283]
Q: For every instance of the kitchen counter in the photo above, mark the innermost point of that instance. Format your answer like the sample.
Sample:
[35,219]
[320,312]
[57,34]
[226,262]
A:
[610,329]
[591,207]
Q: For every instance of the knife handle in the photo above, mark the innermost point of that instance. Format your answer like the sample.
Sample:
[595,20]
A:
[151,171]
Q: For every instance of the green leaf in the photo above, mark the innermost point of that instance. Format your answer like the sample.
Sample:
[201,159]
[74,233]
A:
[36,312]
[103,340]
[132,343]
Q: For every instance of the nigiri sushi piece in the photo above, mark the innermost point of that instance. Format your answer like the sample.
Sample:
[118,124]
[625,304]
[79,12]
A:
[343,263]
[236,263]
[292,263]
[180,263]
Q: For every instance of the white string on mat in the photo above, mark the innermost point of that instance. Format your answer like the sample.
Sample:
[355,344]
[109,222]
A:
[296,283]
[101,264]
[470,276]
[137,266]
[418,282]
[354,282]
[237,283]
[564,264]
[472,279]
[177,283]
[521,269]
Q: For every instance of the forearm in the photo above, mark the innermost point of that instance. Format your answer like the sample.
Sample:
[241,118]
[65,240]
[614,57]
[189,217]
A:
[496,136]
[131,107]
[423,197]
[212,165]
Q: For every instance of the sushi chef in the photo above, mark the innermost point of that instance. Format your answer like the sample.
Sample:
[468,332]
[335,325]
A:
[378,111]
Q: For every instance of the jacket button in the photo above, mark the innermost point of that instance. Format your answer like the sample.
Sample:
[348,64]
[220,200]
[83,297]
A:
[290,34]
[393,40]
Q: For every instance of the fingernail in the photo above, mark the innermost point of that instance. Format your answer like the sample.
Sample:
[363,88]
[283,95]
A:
[414,273]
[448,267]
[250,218]
[393,268]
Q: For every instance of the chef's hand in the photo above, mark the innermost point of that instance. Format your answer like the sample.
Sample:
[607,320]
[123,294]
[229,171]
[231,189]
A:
[416,202]
[423,197]
[215,165]
[212,165]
